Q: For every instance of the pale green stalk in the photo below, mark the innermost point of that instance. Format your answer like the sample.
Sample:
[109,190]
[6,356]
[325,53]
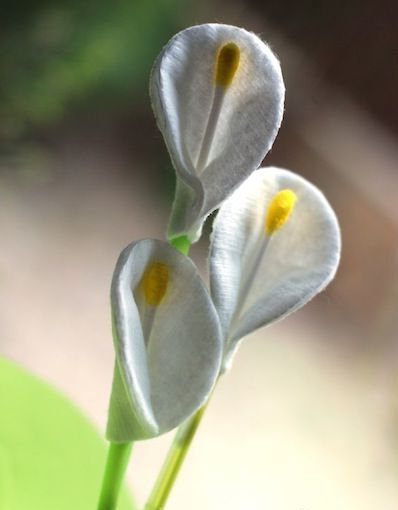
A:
[183,439]
[173,462]
[116,464]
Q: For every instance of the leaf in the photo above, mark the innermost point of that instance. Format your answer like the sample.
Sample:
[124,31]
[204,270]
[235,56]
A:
[51,456]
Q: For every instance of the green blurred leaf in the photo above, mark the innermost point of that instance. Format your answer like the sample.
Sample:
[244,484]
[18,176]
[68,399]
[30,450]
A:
[51,457]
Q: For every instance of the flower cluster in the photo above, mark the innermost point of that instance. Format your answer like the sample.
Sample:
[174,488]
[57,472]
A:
[218,95]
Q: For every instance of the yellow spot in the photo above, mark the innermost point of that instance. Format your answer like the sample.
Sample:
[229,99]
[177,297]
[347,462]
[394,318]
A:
[154,282]
[227,64]
[279,210]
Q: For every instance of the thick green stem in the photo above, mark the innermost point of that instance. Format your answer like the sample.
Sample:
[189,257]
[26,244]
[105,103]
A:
[116,464]
[173,462]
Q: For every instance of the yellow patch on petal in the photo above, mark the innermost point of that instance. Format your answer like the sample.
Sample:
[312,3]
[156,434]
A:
[227,64]
[154,282]
[279,210]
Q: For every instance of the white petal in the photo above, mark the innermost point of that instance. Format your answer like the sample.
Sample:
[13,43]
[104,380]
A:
[168,355]
[183,89]
[285,269]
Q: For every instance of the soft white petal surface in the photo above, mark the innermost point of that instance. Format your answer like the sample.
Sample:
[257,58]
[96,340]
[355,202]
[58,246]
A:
[168,355]
[286,269]
[182,90]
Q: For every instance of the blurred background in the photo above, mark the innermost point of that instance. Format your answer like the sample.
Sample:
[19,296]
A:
[308,417]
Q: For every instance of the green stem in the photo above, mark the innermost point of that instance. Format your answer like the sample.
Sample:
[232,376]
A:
[182,441]
[116,464]
[182,244]
[173,462]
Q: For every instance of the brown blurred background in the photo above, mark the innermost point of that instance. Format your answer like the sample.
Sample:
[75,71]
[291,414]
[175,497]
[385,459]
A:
[308,417]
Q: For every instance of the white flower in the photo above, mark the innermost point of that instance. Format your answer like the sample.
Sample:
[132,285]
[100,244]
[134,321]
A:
[217,93]
[167,341]
[275,245]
